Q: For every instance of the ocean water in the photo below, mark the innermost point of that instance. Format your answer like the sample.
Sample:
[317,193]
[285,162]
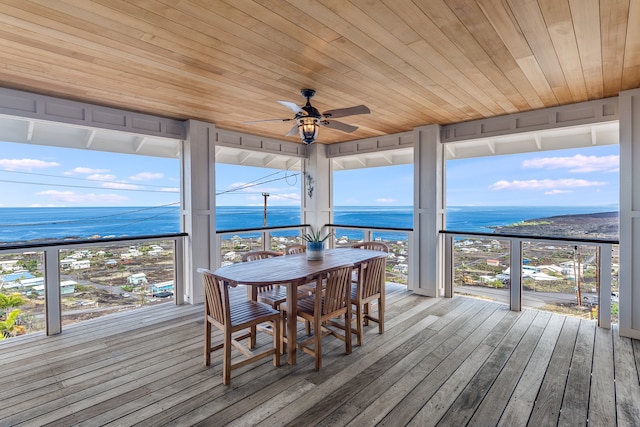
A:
[24,224]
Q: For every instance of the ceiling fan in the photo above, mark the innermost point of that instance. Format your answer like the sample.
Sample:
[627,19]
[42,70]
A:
[308,119]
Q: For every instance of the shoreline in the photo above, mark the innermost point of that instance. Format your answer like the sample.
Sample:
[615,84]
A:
[598,225]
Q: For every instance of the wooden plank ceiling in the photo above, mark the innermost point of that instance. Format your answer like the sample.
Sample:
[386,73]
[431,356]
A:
[411,62]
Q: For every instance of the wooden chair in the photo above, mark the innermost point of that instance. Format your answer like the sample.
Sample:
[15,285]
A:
[274,295]
[368,288]
[232,318]
[372,246]
[295,249]
[320,309]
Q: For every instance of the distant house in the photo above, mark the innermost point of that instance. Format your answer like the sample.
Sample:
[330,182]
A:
[137,279]
[16,277]
[401,268]
[9,265]
[67,287]
[80,264]
[162,287]
[66,263]
[23,285]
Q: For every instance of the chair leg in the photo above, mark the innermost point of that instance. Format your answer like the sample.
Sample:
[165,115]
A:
[317,331]
[283,332]
[252,337]
[359,326]
[347,331]
[381,315]
[207,342]
[367,313]
[226,361]
[277,341]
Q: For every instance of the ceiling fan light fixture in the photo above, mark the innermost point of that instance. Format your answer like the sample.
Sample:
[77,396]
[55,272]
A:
[308,129]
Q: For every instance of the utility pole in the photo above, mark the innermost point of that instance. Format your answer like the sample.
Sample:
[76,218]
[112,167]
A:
[576,274]
[265,195]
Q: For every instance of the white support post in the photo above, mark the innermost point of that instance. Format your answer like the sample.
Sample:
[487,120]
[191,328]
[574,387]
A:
[199,207]
[317,208]
[629,276]
[426,267]
[52,298]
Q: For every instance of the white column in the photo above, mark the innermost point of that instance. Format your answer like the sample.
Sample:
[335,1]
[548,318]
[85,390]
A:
[426,266]
[629,275]
[317,206]
[198,206]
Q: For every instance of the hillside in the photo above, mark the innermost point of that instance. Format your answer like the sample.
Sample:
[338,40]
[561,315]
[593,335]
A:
[602,225]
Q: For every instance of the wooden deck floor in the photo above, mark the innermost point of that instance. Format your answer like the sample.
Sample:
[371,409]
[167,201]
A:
[454,362]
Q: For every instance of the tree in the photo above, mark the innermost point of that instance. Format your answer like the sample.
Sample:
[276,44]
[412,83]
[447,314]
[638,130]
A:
[8,327]
[10,301]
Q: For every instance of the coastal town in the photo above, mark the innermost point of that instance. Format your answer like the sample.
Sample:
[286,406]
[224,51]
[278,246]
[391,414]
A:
[101,280]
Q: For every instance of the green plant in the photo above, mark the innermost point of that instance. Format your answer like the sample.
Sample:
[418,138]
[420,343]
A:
[8,327]
[314,236]
[11,301]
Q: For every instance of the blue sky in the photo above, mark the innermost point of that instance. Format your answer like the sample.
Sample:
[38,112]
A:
[33,175]
[576,177]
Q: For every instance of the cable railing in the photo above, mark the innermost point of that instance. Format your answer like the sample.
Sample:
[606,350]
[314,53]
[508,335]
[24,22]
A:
[566,275]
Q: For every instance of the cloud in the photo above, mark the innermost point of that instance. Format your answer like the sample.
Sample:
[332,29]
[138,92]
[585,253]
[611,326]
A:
[120,186]
[71,197]
[556,191]
[576,164]
[544,184]
[146,176]
[385,200]
[85,171]
[101,177]
[25,164]
[171,189]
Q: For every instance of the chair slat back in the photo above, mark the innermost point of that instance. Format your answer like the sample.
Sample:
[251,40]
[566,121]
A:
[337,288]
[371,276]
[295,249]
[256,255]
[372,246]
[216,296]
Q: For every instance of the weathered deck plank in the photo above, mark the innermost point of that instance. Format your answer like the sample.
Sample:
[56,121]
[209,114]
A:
[457,361]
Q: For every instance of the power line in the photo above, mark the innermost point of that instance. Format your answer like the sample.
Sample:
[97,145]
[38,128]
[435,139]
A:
[86,186]
[253,184]
[77,178]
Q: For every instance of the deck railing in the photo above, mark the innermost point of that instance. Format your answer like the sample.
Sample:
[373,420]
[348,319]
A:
[521,267]
[47,256]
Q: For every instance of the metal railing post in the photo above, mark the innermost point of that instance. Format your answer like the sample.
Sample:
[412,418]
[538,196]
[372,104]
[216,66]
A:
[52,298]
[604,288]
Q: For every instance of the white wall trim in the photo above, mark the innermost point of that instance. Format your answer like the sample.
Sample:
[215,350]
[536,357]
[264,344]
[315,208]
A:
[583,113]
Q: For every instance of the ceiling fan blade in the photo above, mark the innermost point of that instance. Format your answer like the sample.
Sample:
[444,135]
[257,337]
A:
[334,124]
[343,112]
[267,120]
[293,131]
[293,107]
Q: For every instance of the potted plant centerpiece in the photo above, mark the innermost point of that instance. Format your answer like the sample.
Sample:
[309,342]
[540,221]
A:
[315,245]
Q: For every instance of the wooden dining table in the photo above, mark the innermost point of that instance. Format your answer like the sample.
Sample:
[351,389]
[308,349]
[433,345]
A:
[292,271]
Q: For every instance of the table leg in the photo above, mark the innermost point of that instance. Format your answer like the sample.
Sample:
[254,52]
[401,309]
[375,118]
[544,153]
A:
[292,319]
